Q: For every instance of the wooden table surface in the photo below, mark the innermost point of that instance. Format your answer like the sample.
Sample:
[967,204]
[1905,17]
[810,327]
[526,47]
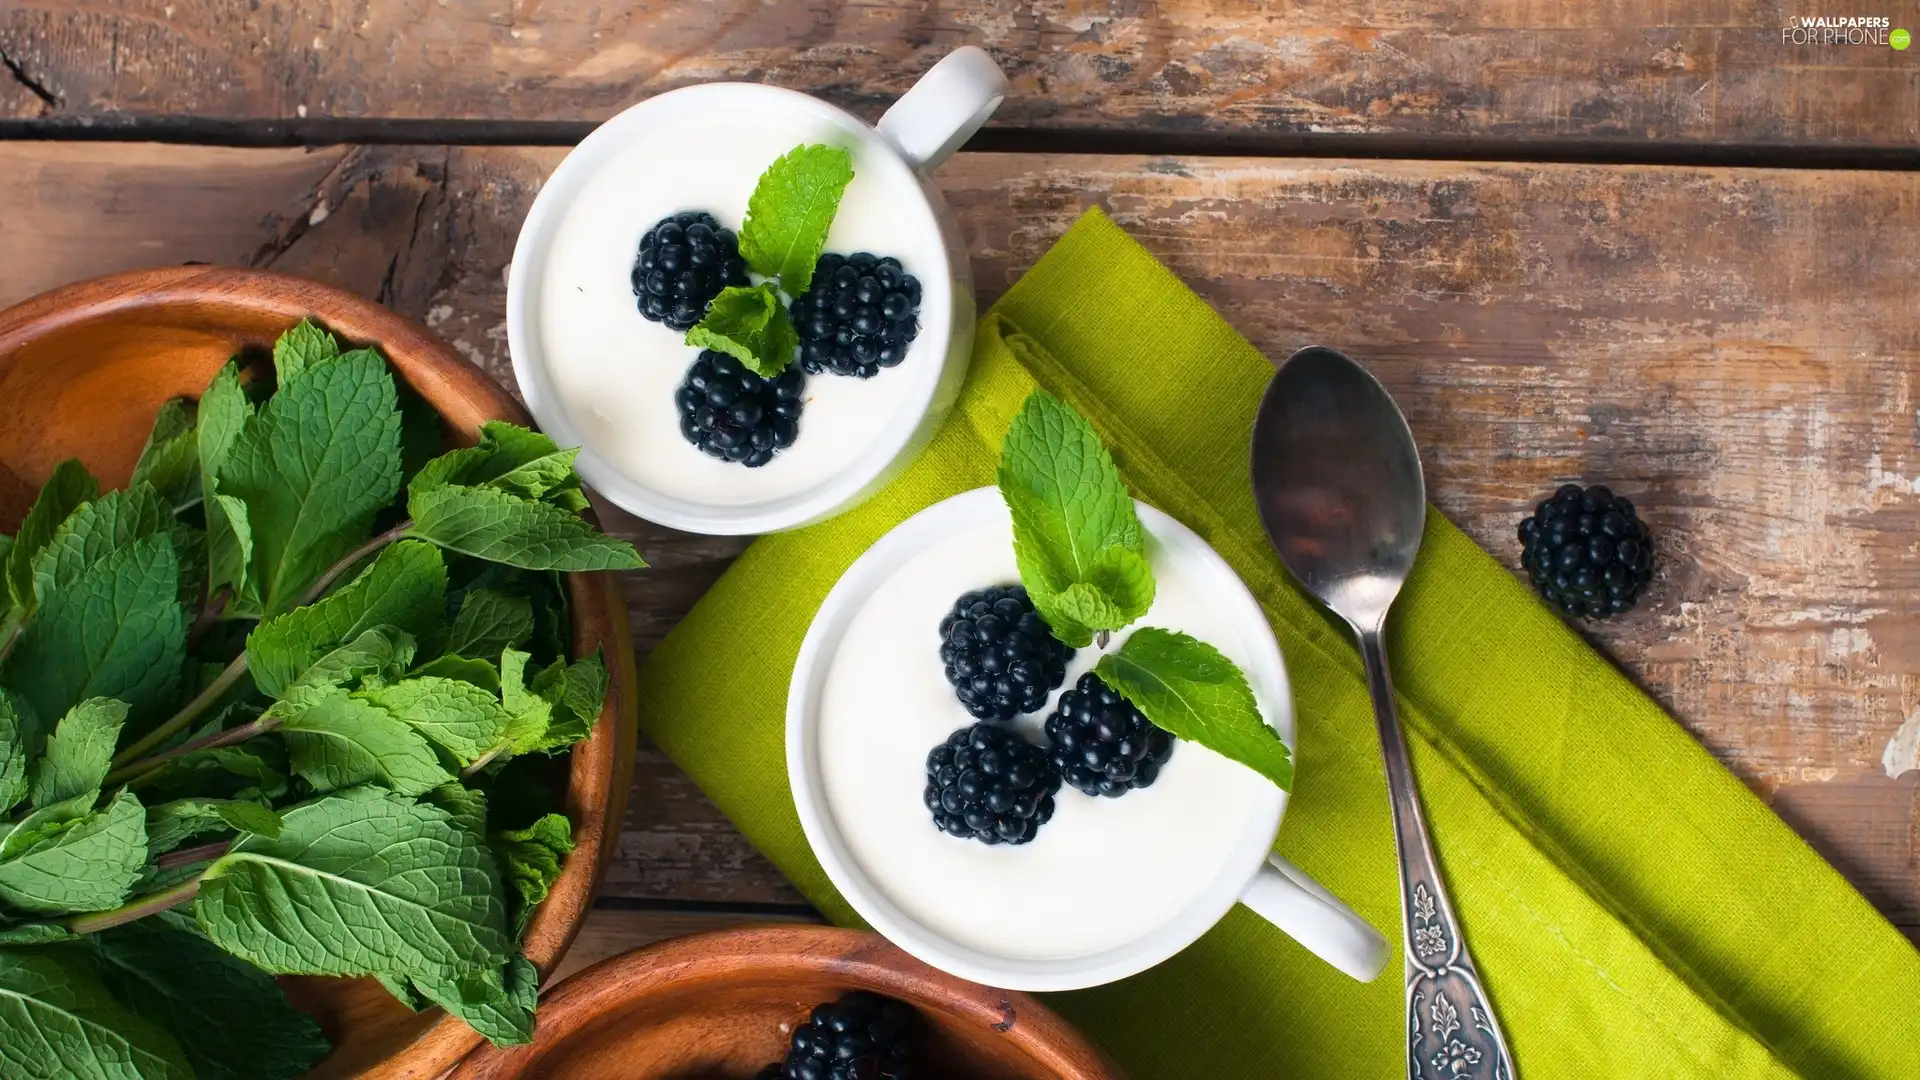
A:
[1638,242]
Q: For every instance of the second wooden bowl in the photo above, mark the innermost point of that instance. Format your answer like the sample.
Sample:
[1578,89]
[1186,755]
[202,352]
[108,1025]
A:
[720,1007]
[84,368]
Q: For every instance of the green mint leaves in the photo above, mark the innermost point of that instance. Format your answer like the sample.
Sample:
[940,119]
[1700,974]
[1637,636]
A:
[1185,686]
[791,209]
[1078,541]
[1082,556]
[252,711]
[788,217]
[751,325]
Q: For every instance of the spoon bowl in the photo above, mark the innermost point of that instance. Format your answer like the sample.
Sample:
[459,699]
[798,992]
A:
[1337,478]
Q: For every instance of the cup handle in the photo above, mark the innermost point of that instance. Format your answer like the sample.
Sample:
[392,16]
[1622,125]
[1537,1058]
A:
[1284,896]
[943,110]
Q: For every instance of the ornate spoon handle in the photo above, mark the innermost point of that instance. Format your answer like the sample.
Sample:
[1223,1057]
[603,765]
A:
[1451,1032]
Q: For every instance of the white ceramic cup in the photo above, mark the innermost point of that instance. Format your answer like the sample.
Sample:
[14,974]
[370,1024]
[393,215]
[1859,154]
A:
[1253,875]
[919,132]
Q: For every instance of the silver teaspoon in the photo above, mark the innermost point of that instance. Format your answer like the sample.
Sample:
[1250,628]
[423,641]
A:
[1337,478]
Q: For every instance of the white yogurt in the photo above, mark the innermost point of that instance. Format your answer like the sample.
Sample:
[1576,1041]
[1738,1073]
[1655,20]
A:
[614,373]
[1103,873]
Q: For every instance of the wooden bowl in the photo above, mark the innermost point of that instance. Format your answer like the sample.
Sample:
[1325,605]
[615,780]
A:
[720,1007]
[82,371]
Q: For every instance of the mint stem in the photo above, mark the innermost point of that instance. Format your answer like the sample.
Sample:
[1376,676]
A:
[187,714]
[138,908]
[352,558]
[137,770]
[189,856]
[481,762]
[216,607]
[13,638]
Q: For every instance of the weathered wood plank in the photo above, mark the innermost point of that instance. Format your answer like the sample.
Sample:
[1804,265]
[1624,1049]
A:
[612,931]
[1688,69]
[1736,350]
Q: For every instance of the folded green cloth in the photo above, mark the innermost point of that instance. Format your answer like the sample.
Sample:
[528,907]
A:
[1634,910]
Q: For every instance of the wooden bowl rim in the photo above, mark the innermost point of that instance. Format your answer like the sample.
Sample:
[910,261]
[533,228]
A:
[857,957]
[599,610]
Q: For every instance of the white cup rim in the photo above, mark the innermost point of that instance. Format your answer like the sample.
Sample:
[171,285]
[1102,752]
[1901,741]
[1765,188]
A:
[1267,674]
[791,510]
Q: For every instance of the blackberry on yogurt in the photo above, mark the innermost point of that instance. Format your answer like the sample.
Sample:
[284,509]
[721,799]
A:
[859,315]
[733,414]
[1102,744]
[987,783]
[999,654]
[685,260]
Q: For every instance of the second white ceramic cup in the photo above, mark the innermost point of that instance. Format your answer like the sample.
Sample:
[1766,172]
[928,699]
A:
[1269,885]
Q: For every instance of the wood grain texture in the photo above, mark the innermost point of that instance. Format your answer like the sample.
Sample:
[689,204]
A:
[611,931]
[723,1004]
[1735,350]
[1713,70]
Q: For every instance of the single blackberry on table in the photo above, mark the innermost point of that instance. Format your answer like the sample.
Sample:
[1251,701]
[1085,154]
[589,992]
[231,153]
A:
[859,315]
[1587,551]
[1000,655]
[733,414]
[986,783]
[684,262]
[863,1036]
[1102,744]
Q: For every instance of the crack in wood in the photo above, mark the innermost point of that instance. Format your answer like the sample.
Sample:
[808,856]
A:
[47,97]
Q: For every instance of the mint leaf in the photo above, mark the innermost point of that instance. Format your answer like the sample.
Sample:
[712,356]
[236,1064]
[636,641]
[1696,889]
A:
[300,348]
[376,657]
[751,325]
[490,620]
[515,460]
[44,823]
[1187,687]
[170,461]
[496,1002]
[478,672]
[88,864]
[405,588]
[15,750]
[68,487]
[790,212]
[232,1020]
[532,714]
[360,883]
[58,1021]
[34,933]
[459,716]
[171,824]
[79,751]
[490,524]
[466,806]
[577,692]
[1070,512]
[313,468]
[335,740]
[116,631]
[402,990]
[530,859]
[96,530]
[223,414]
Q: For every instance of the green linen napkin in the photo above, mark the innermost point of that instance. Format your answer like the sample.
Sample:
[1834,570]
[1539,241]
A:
[1634,910]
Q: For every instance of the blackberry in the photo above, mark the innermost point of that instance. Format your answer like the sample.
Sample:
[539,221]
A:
[989,784]
[1587,551]
[1102,744]
[684,262]
[733,414]
[1000,655]
[859,315]
[863,1036]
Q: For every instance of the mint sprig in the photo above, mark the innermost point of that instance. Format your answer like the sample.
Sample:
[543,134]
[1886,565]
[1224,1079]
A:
[1187,687]
[1082,556]
[1076,537]
[750,324]
[790,211]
